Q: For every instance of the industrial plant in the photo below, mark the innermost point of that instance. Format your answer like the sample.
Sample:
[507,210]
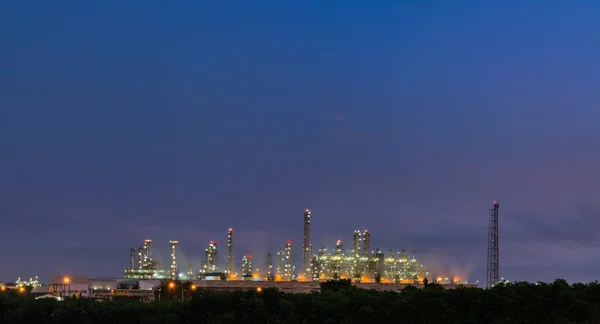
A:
[359,263]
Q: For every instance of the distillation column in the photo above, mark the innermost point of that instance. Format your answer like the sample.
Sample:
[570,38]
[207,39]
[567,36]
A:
[247,267]
[270,275]
[288,272]
[229,269]
[173,272]
[356,243]
[367,243]
[211,257]
[147,256]
[140,258]
[307,248]
[132,259]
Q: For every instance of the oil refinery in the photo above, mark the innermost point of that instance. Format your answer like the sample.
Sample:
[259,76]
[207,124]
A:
[359,263]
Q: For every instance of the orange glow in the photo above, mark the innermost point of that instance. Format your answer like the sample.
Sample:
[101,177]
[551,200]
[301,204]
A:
[302,278]
[278,278]
[3,288]
[193,287]
[364,279]
[259,289]
[171,285]
[21,289]
[66,280]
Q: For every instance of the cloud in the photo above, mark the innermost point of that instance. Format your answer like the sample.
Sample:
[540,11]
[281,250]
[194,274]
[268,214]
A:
[351,135]
[335,117]
[577,230]
[339,117]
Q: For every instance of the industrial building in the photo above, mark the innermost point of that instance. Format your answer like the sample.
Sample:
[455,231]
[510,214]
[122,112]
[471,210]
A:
[359,263]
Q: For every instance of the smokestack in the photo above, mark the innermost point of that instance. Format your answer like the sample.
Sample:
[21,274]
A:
[307,248]
[269,267]
[356,243]
[414,255]
[140,262]
[367,243]
[173,260]
[229,269]
[132,259]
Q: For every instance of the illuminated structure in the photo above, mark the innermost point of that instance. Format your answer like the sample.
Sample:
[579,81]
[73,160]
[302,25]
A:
[211,257]
[288,271]
[270,275]
[33,283]
[190,272]
[493,257]
[173,273]
[147,257]
[132,259]
[229,268]
[358,262]
[366,243]
[247,267]
[356,243]
[147,268]
[359,265]
[307,247]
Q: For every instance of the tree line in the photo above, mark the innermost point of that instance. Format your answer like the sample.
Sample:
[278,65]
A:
[338,302]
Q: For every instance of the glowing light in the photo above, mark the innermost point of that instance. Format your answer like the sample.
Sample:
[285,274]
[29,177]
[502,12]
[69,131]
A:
[171,285]
[193,287]
[66,280]
[259,289]
[289,242]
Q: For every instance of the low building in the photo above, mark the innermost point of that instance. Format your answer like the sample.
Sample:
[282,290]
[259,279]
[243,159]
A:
[67,286]
[102,283]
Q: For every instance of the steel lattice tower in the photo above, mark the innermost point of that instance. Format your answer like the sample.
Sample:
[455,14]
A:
[493,261]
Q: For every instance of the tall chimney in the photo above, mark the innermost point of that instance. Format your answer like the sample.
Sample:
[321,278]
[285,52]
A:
[140,262]
[173,271]
[132,259]
[229,269]
[307,248]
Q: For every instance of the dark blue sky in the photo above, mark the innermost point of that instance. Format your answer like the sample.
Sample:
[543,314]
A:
[121,120]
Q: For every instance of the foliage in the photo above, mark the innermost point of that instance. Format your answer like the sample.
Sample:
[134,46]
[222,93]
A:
[339,302]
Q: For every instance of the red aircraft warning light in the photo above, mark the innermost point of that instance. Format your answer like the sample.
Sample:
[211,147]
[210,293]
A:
[289,242]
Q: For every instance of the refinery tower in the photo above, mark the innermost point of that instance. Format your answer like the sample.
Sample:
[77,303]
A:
[307,247]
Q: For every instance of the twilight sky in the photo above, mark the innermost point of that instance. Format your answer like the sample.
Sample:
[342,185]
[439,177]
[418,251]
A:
[121,120]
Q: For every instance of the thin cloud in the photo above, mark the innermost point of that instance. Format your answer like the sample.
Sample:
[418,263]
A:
[339,117]
[336,117]
[351,135]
